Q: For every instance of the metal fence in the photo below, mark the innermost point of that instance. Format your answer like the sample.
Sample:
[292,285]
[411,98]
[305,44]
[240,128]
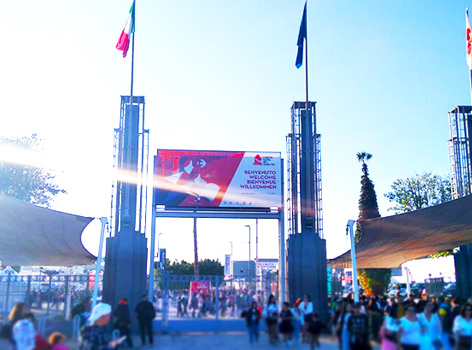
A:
[208,297]
[46,295]
[434,286]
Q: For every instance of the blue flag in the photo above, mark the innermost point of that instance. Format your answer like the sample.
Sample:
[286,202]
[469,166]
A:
[301,38]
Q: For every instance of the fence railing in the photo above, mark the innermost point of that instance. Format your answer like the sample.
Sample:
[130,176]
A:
[46,295]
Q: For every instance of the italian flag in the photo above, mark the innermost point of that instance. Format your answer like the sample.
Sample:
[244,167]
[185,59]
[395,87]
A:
[123,42]
[469,39]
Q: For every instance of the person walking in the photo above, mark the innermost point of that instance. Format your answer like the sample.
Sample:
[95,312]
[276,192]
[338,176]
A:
[388,334]
[431,327]
[93,336]
[306,309]
[342,326]
[358,328]
[409,334]
[24,334]
[123,321]
[253,317]
[285,325]
[145,314]
[445,316]
[296,315]
[314,328]
[271,315]
[463,328]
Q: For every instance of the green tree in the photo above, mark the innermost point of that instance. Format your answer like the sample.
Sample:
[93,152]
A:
[25,182]
[181,268]
[207,267]
[211,267]
[418,192]
[374,281]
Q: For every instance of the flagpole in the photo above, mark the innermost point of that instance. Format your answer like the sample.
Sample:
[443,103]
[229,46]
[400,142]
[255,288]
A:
[470,85]
[306,57]
[132,51]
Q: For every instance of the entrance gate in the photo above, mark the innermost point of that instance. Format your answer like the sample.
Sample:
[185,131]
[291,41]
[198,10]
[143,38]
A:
[206,303]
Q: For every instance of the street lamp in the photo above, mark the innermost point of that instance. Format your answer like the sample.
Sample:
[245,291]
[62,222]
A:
[249,261]
[159,235]
[350,230]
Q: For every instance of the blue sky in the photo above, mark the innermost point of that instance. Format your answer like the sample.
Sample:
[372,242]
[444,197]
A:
[220,74]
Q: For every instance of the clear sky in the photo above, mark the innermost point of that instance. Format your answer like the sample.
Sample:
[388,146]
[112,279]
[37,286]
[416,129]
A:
[220,74]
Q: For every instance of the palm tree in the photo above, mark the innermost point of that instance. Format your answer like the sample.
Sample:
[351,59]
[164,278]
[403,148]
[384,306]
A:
[363,157]
[374,281]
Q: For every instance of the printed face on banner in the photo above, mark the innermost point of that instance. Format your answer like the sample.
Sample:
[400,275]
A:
[217,179]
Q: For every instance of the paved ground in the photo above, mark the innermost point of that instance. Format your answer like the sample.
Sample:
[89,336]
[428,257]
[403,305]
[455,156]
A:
[222,341]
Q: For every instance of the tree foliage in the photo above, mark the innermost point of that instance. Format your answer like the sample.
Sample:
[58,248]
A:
[208,267]
[418,192]
[374,281]
[26,182]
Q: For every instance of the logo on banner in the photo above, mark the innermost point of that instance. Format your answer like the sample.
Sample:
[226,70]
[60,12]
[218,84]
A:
[257,160]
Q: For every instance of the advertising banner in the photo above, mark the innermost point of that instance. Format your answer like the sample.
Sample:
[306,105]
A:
[202,287]
[227,264]
[162,259]
[268,266]
[218,179]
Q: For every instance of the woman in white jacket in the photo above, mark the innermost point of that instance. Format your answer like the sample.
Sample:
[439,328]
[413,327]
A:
[306,312]
[463,328]
[431,327]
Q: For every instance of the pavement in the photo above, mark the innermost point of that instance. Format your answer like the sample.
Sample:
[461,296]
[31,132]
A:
[221,341]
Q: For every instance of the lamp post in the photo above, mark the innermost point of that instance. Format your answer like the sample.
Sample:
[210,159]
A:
[249,261]
[350,227]
[159,235]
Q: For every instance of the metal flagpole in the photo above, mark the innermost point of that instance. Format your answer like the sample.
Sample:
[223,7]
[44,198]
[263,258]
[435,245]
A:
[470,83]
[306,54]
[132,49]
[467,50]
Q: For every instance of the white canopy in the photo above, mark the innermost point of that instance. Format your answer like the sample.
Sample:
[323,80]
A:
[36,236]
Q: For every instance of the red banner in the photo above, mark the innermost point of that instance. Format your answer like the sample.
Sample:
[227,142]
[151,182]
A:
[202,287]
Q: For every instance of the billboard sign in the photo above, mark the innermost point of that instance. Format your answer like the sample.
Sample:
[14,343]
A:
[218,179]
[269,265]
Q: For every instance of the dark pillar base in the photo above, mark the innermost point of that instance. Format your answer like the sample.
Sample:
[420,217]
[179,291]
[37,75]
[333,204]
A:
[463,266]
[125,269]
[307,271]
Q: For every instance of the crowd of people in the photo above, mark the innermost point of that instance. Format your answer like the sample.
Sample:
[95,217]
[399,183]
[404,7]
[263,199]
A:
[394,324]
[405,324]
[289,324]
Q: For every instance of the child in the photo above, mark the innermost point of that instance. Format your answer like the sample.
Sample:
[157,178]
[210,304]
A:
[314,328]
[56,340]
[285,326]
